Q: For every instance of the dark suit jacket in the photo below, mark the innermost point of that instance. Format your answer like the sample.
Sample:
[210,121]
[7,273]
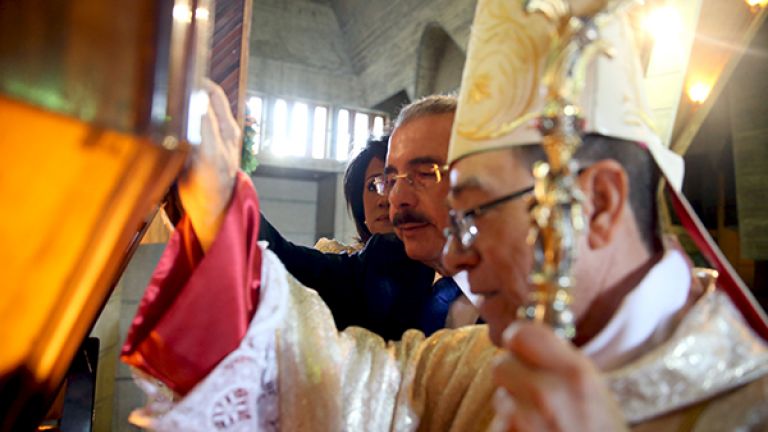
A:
[378,288]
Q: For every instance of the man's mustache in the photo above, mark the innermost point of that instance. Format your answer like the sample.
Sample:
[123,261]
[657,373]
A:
[408,216]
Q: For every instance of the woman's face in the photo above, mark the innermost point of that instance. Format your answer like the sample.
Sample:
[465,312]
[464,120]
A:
[375,206]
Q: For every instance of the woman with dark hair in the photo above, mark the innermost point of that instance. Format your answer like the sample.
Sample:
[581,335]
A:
[369,209]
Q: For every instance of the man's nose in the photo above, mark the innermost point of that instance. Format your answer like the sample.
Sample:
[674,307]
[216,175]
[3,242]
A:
[456,258]
[402,195]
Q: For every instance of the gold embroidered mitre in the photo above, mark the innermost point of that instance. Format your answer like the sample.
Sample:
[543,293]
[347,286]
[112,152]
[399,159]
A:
[504,88]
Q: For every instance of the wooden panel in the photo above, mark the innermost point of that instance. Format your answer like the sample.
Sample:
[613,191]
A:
[229,57]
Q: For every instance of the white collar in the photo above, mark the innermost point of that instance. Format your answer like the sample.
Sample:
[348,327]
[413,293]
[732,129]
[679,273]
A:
[646,314]
[462,281]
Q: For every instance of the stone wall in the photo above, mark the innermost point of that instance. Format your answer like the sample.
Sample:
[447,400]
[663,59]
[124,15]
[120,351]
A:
[297,51]
[130,289]
[348,52]
[383,39]
[749,132]
[290,205]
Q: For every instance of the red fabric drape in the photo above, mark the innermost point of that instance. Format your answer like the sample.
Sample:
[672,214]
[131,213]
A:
[197,306]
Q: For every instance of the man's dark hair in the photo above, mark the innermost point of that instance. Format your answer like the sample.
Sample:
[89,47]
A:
[354,178]
[641,170]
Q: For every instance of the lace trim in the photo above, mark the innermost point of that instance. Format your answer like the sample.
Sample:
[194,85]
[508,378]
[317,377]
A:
[241,393]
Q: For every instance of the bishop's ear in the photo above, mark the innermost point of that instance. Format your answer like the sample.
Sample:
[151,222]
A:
[606,187]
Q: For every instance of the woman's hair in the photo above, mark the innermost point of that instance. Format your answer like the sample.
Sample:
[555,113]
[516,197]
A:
[354,178]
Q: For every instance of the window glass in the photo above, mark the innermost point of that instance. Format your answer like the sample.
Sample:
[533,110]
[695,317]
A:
[342,135]
[297,128]
[279,143]
[378,126]
[362,131]
[319,132]
[297,142]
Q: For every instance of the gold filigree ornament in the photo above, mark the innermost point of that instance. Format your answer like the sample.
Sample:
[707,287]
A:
[556,215]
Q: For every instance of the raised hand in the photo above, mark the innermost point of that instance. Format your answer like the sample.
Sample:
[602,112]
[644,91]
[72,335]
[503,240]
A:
[205,188]
[546,384]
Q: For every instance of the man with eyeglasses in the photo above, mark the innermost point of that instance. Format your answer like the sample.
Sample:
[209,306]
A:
[679,348]
[413,182]
[396,282]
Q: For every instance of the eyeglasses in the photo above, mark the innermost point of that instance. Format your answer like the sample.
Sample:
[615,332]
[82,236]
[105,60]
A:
[371,185]
[419,178]
[463,225]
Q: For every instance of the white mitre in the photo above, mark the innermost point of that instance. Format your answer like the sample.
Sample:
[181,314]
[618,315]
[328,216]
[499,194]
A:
[502,90]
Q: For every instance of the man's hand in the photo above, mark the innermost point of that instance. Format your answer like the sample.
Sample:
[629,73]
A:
[546,384]
[205,188]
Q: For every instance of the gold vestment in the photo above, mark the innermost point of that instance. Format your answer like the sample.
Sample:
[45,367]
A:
[709,375]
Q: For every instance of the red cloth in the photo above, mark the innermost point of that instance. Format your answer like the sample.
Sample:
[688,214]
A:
[197,306]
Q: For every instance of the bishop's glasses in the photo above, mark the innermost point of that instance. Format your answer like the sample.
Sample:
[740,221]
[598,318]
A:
[463,226]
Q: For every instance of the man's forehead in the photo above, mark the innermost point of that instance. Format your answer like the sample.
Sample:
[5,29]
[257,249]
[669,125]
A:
[468,180]
[489,173]
[419,141]
[414,162]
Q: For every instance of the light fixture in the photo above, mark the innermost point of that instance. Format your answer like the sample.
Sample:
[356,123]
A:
[698,92]
[756,4]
